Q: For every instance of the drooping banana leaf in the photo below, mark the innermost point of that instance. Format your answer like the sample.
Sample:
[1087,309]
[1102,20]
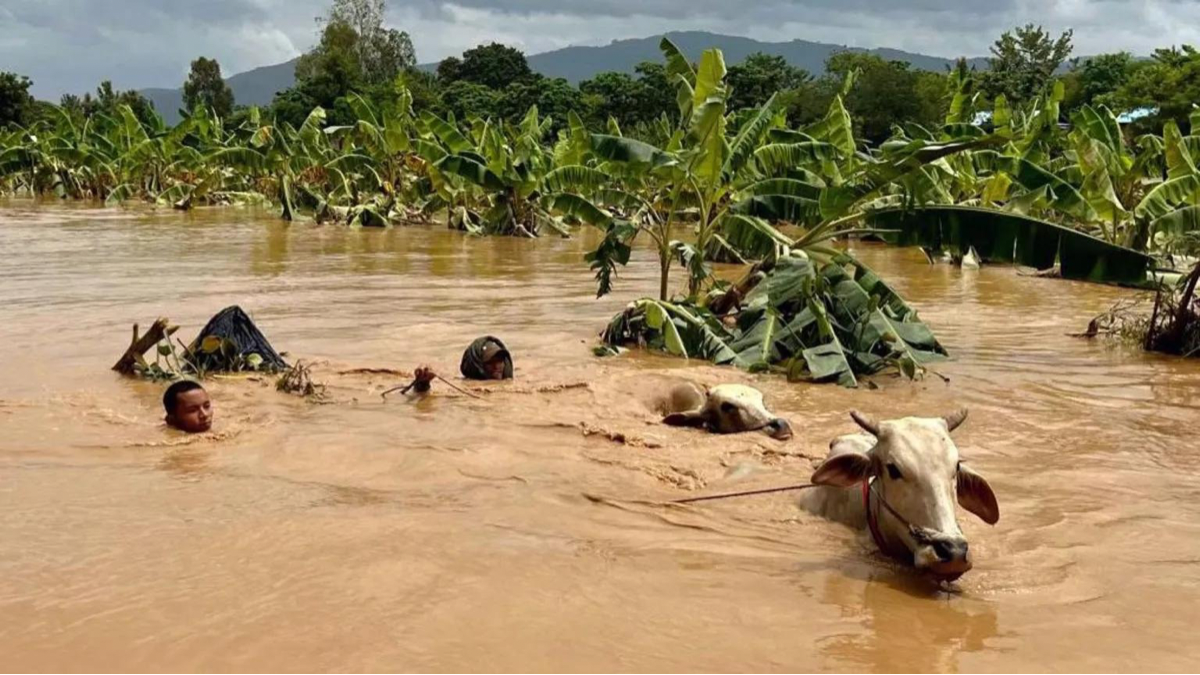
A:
[446,132]
[580,208]
[780,208]
[744,237]
[836,128]
[1168,196]
[749,137]
[757,345]
[628,150]
[575,178]
[1178,222]
[1000,236]
[827,361]
[658,319]
[472,170]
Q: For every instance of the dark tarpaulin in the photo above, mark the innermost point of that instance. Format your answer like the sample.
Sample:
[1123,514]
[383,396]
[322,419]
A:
[234,327]
[473,360]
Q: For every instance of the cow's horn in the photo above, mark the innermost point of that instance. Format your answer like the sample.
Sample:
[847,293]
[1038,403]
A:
[869,425]
[955,419]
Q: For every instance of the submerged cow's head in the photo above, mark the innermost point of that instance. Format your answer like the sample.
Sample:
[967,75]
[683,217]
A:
[918,475]
[732,408]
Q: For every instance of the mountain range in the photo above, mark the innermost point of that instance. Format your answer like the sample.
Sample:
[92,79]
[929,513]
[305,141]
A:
[575,64]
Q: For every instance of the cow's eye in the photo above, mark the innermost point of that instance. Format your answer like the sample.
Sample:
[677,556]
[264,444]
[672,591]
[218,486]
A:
[893,472]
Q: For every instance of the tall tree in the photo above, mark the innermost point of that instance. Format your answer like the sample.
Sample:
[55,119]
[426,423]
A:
[554,98]
[206,87]
[1094,80]
[494,65]
[1023,62]
[465,99]
[108,100]
[885,93]
[16,103]
[757,78]
[449,69]
[615,95]
[354,38]
[1169,82]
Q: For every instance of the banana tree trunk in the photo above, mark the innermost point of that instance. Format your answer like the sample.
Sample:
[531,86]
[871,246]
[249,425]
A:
[664,274]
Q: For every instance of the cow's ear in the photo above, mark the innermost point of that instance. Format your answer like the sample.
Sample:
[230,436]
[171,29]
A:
[844,470]
[691,418]
[976,496]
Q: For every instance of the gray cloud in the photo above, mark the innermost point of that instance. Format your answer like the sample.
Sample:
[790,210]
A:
[70,45]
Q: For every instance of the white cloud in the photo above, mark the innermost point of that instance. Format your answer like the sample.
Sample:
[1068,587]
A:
[70,45]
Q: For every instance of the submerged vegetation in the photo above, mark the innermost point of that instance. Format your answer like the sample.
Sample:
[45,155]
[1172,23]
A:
[832,323]
[228,343]
[998,169]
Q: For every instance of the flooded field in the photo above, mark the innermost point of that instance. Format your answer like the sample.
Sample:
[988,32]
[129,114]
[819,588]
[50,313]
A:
[523,530]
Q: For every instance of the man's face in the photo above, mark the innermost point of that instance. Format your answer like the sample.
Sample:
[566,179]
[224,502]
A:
[495,368]
[193,412]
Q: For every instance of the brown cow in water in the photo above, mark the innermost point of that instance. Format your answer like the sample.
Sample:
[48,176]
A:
[901,480]
[723,409]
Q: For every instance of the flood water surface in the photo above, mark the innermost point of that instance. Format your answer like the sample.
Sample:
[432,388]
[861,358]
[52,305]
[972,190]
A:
[525,530]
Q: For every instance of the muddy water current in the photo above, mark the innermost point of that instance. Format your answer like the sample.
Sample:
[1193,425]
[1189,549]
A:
[524,530]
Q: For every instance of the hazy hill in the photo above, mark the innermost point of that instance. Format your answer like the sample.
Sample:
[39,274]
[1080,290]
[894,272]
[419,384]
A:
[259,86]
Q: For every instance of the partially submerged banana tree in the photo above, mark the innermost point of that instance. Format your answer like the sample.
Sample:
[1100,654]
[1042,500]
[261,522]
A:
[1091,203]
[831,322]
[520,190]
[805,308]
[705,177]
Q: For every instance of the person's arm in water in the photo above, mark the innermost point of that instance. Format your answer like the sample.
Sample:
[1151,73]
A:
[188,407]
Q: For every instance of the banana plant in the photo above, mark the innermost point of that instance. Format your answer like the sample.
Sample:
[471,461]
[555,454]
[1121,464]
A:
[521,191]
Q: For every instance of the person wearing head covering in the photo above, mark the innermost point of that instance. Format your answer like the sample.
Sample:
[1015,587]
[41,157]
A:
[487,359]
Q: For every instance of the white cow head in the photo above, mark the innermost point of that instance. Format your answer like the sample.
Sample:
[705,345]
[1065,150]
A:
[732,408]
[917,474]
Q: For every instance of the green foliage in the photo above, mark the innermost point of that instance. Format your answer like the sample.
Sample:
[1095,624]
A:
[492,65]
[886,93]
[465,99]
[16,103]
[759,77]
[1011,238]
[832,322]
[355,36]
[1023,62]
[206,87]
[1095,80]
[1169,82]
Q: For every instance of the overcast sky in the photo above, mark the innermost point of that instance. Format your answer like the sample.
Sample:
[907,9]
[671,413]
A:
[70,45]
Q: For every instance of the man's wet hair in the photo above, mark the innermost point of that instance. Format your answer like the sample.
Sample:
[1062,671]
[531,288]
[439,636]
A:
[173,392]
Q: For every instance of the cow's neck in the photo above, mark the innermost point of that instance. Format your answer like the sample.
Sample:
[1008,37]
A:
[887,544]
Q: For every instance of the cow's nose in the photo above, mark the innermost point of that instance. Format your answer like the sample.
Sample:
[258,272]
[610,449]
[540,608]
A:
[779,429]
[950,549]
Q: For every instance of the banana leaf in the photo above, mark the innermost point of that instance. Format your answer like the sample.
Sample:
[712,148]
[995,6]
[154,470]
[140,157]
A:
[829,325]
[1178,222]
[628,150]
[472,170]
[999,236]
[744,236]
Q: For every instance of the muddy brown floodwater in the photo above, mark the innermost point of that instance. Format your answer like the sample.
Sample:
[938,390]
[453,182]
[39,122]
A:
[495,534]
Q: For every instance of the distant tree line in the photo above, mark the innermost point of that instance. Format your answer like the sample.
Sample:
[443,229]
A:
[357,53]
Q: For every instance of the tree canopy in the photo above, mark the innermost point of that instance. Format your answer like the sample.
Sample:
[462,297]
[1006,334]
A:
[492,65]
[759,76]
[206,87]
[1024,61]
[16,103]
